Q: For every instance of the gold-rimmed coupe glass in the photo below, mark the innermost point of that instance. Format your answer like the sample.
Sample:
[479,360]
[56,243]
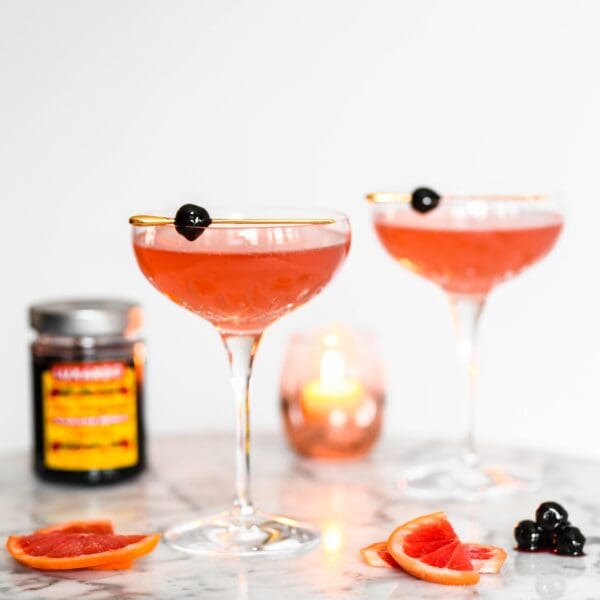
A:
[467,245]
[241,278]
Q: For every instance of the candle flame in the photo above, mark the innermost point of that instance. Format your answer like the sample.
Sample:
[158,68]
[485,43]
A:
[333,367]
[331,340]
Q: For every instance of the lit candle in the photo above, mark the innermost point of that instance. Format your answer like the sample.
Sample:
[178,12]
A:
[332,393]
[333,397]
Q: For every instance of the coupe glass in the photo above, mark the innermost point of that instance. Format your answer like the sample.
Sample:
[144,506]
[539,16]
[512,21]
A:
[467,245]
[241,278]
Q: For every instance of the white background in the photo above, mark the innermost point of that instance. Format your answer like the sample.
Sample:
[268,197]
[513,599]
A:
[108,108]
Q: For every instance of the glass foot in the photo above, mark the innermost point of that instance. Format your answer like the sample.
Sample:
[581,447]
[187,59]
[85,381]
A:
[459,479]
[235,534]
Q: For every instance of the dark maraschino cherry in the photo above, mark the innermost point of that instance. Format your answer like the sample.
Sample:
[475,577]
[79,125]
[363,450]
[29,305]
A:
[550,531]
[424,199]
[551,515]
[530,536]
[191,221]
[554,534]
[569,541]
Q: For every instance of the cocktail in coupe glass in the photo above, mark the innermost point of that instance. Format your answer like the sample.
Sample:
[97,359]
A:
[466,244]
[241,278]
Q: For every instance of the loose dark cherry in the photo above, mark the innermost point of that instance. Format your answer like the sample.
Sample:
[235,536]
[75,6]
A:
[550,531]
[554,534]
[191,221]
[550,516]
[424,199]
[530,536]
[569,541]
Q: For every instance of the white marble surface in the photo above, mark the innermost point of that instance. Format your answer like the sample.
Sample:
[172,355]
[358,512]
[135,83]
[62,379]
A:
[353,503]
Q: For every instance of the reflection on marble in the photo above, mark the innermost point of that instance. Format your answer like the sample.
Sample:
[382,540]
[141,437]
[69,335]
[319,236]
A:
[353,503]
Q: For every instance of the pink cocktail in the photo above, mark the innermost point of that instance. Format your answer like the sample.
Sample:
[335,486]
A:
[241,276]
[466,245]
[241,284]
[467,257]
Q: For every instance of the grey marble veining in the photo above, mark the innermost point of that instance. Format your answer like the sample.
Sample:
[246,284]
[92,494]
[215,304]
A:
[353,503]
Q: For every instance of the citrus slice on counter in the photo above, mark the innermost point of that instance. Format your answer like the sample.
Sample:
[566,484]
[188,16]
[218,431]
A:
[486,559]
[428,548]
[60,551]
[89,526]
[377,555]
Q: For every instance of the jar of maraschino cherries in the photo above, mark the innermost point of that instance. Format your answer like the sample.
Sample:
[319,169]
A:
[88,375]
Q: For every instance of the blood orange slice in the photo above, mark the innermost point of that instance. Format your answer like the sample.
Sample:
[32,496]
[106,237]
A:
[428,548]
[90,526]
[377,555]
[59,551]
[486,559]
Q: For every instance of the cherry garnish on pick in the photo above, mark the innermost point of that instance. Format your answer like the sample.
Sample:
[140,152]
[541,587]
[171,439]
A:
[424,199]
[191,221]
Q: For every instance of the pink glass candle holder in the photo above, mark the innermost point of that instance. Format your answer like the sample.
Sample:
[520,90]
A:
[332,393]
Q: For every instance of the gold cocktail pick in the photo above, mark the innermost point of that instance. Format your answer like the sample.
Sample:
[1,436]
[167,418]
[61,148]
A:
[391,197]
[388,197]
[151,220]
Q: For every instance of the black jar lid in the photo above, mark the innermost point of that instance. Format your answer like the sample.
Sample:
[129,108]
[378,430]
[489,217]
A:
[86,317]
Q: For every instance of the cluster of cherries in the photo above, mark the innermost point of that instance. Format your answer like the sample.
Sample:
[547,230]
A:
[551,530]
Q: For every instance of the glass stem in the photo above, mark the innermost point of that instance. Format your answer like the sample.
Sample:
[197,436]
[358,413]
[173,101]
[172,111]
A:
[241,350]
[466,311]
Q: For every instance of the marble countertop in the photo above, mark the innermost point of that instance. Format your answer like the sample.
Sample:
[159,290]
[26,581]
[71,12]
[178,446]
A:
[354,504]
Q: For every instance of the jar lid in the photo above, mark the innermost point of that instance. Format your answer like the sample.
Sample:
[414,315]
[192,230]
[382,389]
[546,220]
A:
[86,317]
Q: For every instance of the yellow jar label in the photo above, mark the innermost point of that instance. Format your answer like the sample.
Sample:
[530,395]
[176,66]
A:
[90,416]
